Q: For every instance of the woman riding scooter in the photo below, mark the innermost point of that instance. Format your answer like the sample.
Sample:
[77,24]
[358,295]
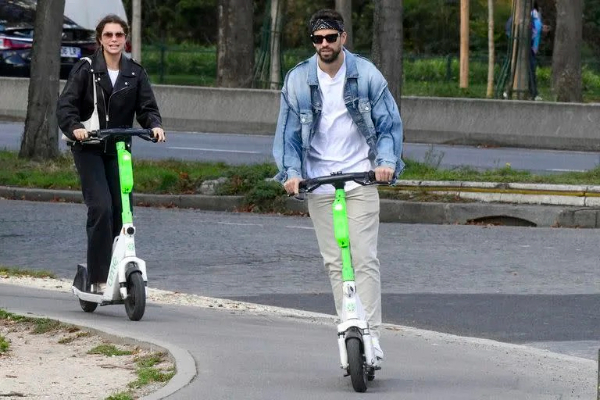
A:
[122,91]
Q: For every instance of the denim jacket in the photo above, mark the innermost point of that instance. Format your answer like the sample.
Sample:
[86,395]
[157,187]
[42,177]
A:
[369,103]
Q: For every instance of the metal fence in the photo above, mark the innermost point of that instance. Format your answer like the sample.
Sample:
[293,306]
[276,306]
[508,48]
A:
[423,74]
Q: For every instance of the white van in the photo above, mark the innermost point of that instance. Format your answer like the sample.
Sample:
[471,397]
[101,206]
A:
[87,13]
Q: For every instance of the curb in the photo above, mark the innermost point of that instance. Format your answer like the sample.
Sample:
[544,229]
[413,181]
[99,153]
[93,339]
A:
[520,193]
[398,211]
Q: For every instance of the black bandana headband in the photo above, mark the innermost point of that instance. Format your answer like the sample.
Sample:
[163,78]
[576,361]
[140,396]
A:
[327,24]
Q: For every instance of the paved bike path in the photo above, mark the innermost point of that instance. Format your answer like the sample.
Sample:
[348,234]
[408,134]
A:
[225,354]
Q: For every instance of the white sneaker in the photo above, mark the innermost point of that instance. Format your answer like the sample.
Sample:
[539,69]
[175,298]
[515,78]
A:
[378,353]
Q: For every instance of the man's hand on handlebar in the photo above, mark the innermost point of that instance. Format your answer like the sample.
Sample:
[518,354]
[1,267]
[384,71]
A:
[159,134]
[384,174]
[80,134]
[291,186]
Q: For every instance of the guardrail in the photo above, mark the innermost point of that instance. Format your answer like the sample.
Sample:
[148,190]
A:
[561,126]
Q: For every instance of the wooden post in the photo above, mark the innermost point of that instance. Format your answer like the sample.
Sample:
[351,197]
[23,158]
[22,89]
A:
[136,30]
[464,44]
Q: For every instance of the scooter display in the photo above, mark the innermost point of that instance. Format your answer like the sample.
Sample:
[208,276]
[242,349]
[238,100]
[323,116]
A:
[357,356]
[127,278]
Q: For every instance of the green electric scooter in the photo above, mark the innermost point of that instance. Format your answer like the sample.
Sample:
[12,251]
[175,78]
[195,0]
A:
[127,279]
[354,338]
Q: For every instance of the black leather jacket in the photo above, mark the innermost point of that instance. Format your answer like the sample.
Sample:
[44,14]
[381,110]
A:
[131,96]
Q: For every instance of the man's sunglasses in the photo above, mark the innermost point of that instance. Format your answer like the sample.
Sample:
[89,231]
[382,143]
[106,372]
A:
[318,39]
[109,35]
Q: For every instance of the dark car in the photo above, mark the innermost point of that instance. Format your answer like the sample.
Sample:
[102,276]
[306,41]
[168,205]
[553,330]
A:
[17,19]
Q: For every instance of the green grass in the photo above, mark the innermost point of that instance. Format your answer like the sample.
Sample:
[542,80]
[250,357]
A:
[70,339]
[147,373]
[120,396]
[186,177]
[109,350]
[8,271]
[4,344]
[249,181]
[38,325]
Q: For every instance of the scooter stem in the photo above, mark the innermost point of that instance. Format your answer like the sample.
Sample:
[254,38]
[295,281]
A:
[126,181]
[342,233]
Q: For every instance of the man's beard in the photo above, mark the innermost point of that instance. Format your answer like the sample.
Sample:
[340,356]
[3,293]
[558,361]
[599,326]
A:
[330,57]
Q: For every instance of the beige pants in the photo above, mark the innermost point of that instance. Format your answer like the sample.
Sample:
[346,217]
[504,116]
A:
[363,220]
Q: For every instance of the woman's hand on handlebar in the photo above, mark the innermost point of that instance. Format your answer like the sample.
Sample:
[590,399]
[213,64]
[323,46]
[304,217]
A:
[159,134]
[384,174]
[80,134]
[291,186]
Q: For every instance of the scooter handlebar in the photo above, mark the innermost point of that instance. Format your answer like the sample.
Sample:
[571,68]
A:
[123,133]
[362,178]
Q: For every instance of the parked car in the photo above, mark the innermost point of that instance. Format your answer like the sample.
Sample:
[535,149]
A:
[17,18]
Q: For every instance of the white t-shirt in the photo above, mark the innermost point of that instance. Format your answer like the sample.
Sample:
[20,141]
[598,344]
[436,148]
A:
[113,75]
[337,144]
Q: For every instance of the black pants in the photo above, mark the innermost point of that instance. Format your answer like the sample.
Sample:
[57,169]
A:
[99,174]
[533,89]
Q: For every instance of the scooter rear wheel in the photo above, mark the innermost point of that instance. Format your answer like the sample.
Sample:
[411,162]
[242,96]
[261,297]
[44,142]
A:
[135,303]
[356,365]
[88,306]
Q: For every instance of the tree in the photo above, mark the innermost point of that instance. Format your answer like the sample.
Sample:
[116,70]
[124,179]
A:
[344,7]
[235,49]
[521,37]
[388,42]
[40,139]
[275,43]
[136,30]
[566,62]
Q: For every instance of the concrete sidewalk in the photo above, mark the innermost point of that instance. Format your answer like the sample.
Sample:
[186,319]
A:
[485,203]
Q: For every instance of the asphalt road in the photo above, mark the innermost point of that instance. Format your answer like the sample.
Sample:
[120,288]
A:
[247,149]
[538,287]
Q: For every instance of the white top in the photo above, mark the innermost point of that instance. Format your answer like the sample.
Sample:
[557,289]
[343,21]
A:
[113,75]
[337,144]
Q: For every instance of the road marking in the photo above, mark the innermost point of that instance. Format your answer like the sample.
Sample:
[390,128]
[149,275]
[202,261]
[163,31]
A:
[310,228]
[214,150]
[239,224]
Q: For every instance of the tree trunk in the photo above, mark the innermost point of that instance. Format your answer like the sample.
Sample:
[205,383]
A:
[464,44]
[235,48]
[388,43]
[136,30]
[566,61]
[275,42]
[344,7]
[491,50]
[522,50]
[40,139]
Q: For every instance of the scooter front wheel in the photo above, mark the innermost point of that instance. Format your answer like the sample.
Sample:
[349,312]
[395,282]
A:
[88,306]
[356,365]
[135,303]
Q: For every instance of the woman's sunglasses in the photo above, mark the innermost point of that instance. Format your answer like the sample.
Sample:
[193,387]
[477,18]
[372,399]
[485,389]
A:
[318,39]
[109,35]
